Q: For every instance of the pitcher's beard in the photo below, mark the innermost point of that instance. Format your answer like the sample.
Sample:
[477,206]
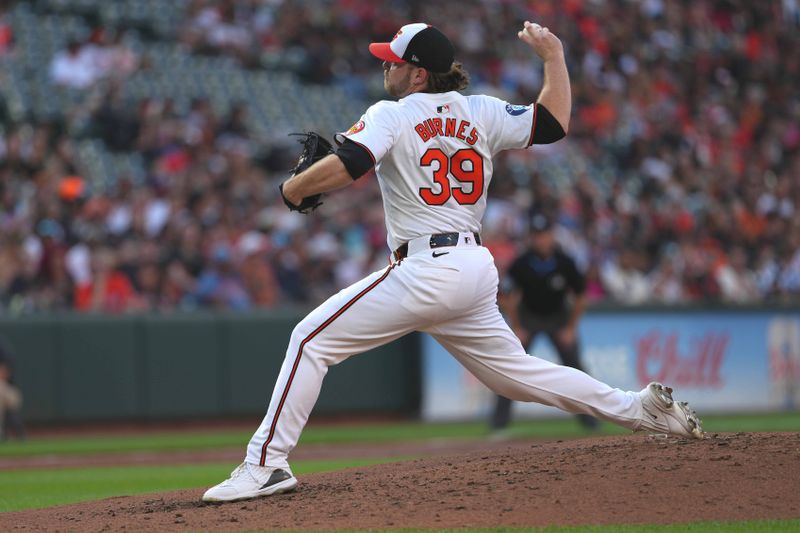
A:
[399,89]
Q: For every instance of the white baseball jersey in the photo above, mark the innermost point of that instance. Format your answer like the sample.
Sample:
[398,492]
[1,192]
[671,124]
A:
[433,157]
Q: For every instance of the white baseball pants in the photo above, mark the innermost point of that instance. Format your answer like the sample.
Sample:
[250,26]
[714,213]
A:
[453,297]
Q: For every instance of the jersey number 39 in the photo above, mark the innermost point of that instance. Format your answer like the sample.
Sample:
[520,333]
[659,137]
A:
[466,166]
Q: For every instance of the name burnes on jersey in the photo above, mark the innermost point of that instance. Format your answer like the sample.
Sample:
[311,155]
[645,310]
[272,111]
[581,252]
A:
[450,127]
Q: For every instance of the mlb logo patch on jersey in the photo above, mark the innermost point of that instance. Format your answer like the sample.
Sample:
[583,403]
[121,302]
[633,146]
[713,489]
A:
[443,109]
[516,109]
[355,128]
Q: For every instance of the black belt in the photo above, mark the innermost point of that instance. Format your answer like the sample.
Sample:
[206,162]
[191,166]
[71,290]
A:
[437,241]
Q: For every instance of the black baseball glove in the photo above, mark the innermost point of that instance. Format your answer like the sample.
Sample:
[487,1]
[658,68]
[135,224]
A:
[315,147]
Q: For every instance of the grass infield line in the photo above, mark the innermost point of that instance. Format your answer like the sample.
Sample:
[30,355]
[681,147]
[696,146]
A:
[35,489]
[366,433]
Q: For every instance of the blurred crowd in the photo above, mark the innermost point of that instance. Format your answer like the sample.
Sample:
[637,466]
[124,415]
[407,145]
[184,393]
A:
[679,181]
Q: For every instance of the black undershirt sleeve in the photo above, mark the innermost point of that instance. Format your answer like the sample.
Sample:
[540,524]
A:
[357,159]
[547,129]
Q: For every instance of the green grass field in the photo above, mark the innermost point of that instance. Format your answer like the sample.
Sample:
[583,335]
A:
[36,488]
[368,433]
[32,489]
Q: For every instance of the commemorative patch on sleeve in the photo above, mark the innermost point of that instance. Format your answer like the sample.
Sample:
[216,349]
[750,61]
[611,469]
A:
[515,110]
[355,128]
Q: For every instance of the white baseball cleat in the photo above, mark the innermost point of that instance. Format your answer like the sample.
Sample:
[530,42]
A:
[249,481]
[662,414]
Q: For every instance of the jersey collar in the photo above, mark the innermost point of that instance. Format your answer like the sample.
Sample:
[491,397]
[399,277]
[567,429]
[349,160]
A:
[428,96]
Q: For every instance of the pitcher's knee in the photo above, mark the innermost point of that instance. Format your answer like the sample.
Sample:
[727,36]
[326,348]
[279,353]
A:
[309,327]
[301,332]
[315,345]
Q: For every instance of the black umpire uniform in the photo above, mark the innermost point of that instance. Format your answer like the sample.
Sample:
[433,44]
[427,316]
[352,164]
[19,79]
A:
[543,293]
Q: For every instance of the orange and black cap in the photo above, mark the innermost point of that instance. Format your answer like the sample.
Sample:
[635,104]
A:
[419,44]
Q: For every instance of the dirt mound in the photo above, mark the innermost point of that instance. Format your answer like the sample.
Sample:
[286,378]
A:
[614,480]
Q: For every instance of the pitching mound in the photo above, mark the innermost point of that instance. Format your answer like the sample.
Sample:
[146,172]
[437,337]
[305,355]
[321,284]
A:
[614,480]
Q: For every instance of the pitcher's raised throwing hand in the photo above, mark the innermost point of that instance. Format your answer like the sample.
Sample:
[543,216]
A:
[545,44]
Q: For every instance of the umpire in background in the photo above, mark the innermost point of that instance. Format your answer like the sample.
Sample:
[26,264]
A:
[543,293]
[10,397]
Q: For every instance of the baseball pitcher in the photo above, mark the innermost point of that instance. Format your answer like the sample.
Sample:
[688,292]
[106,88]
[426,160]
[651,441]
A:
[432,154]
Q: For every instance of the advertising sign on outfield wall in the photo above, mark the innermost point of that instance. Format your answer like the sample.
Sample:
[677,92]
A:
[719,362]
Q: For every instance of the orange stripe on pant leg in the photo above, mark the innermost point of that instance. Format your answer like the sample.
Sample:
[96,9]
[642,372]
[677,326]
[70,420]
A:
[313,334]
